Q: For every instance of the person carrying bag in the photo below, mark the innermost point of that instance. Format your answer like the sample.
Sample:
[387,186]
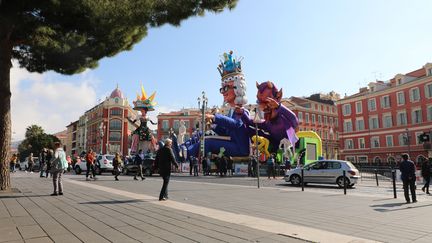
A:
[58,165]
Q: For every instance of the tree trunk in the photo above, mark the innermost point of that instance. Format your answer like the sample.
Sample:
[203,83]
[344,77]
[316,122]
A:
[5,111]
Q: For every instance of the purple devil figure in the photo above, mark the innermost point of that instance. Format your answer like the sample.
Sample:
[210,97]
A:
[279,121]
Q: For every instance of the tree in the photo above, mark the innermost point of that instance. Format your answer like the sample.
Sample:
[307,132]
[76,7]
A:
[72,35]
[35,140]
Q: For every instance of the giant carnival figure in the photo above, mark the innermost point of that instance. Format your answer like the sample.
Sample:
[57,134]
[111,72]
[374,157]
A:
[233,135]
[142,137]
[279,122]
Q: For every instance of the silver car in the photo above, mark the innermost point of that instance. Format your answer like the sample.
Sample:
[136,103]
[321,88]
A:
[325,172]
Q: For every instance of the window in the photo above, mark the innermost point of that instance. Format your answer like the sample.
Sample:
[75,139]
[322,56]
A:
[400,98]
[375,143]
[429,113]
[385,102]
[417,135]
[348,126]
[387,121]
[307,117]
[360,124]
[331,121]
[373,123]
[187,124]
[300,116]
[430,72]
[176,125]
[116,112]
[349,144]
[389,141]
[428,89]
[403,139]
[335,165]
[416,116]
[313,118]
[359,108]
[414,94]
[362,143]
[115,125]
[325,120]
[401,118]
[165,125]
[350,158]
[319,119]
[372,104]
[115,136]
[346,109]
[362,159]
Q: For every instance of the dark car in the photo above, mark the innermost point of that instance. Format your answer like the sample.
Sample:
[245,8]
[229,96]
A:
[148,168]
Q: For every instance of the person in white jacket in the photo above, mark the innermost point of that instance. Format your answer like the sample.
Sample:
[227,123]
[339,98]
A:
[58,165]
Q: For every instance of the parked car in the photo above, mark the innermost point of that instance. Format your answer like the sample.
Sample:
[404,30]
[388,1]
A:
[325,172]
[148,169]
[104,163]
[23,165]
[80,166]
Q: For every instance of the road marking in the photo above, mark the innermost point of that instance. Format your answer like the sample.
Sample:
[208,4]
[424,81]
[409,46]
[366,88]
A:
[272,226]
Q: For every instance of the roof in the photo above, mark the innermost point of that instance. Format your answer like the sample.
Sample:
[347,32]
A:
[117,93]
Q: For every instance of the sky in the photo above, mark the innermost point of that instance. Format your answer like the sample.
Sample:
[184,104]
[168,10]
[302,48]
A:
[304,47]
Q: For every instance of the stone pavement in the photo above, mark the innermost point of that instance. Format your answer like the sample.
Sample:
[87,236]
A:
[127,210]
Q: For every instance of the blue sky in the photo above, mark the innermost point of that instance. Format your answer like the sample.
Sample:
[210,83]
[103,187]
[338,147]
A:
[303,46]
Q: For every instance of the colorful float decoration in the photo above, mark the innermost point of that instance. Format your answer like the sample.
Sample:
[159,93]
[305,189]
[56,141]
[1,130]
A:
[142,137]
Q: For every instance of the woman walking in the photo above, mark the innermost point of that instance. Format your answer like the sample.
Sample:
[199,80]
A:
[58,165]
[117,161]
[426,173]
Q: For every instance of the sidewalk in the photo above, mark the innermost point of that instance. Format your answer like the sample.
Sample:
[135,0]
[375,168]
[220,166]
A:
[128,211]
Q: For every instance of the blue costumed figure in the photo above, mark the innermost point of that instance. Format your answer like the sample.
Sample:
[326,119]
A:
[233,134]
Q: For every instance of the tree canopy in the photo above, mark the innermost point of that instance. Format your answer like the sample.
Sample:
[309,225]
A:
[35,140]
[72,35]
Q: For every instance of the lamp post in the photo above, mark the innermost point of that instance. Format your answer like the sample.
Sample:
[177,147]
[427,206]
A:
[408,140]
[101,133]
[202,105]
[257,120]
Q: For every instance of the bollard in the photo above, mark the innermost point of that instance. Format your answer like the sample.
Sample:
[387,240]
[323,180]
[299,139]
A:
[394,183]
[376,177]
[344,181]
[302,181]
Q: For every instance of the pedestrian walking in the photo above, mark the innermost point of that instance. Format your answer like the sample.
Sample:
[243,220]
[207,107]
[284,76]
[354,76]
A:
[208,165]
[223,166]
[13,162]
[117,162]
[42,162]
[90,163]
[271,166]
[408,169]
[230,165]
[48,158]
[30,163]
[139,160]
[58,166]
[254,166]
[164,160]
[426,174]
[194,161]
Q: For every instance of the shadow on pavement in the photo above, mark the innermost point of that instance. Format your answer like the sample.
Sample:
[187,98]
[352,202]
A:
[390,205]
[21,196]
[115,201]
[315,186]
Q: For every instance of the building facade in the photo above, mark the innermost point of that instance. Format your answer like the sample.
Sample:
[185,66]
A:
[106,128]
[71,138]
[385,119]
[318,113]
[171,120]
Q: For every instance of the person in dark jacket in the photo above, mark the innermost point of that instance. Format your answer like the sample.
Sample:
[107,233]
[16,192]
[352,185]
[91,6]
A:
[164,159]
[408,169]
[426,174]
[139,160]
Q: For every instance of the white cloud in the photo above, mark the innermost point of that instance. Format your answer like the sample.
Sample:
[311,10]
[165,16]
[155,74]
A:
[52,104]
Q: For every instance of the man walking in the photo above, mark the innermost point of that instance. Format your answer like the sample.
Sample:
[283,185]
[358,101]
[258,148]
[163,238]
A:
[90,159]
[408,169]
[164,159]
[139,160]
[426,174]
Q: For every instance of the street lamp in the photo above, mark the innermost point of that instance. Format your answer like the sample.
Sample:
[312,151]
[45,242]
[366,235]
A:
[101,133]
[408,140]
[202,105]
[257,119]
